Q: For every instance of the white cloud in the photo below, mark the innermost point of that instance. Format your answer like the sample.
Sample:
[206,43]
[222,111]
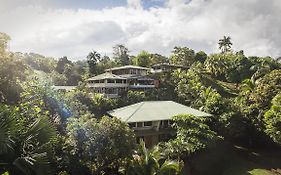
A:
[254,26]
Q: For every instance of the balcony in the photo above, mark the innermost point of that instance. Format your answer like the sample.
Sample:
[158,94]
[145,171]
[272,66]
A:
[136,86]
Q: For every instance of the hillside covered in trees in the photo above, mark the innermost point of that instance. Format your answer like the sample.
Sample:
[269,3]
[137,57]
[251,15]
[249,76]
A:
[43,131]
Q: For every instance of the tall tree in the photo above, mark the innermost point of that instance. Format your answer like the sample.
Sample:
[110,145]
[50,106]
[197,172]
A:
[183,56]
[225,44]
[93,58]
[12,71]
[143,59]
[61,64]
[101,145]
[4,39]
[201,56]
[121,54]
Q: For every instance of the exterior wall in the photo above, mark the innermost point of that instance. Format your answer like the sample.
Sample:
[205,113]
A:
[158,131]
[150,141]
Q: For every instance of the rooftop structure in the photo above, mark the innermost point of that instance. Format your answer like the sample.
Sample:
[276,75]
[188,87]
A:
[166,67]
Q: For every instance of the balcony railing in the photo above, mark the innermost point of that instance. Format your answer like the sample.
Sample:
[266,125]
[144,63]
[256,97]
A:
[141,86]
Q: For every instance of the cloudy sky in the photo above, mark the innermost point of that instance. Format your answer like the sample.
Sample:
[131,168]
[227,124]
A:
[75,27]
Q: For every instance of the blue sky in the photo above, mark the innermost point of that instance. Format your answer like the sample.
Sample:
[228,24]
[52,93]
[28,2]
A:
[73,28]
[100,4]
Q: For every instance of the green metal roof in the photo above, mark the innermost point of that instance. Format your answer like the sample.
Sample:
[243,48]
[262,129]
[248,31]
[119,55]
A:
[153,111]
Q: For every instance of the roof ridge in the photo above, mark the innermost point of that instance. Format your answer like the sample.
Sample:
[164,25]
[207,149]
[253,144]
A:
[141,104]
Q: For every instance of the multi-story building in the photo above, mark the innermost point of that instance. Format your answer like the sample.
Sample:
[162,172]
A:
[117,80]
[151,120]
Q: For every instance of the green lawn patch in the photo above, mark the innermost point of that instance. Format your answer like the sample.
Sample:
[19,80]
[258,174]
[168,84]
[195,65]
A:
[238,160]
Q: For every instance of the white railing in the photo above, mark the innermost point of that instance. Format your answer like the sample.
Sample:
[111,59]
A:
[109,85]
[141,86]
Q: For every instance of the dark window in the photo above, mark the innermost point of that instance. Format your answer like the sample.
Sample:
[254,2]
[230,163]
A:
[139,124]
[165,124]
[147,123]
[132,125]
[171,122]
[118,81]
[110,81]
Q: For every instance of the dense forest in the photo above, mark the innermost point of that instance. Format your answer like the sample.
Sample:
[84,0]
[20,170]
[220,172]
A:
[43,131]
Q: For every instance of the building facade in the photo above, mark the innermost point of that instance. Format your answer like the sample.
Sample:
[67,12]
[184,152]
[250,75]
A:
[116,81]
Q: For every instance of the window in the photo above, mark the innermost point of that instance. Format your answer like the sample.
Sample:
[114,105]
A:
[119,81]
[110,81]
[139,124]
[165,123]
[133,71]
[148,123]
[132,125]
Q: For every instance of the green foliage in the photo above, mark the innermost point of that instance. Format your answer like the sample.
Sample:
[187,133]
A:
[183,56]
[218,64]
[100,105]
[157,58]
[12,71]
[58,79]
[39,62]
[200,56]
[121,55]
[61,64]
[135,97]
[194,132]
[101,145]
[150,162]
[188,85]
[210,101]
[272,119]
[4,39]
[25,149]
[193,135]
[143,59]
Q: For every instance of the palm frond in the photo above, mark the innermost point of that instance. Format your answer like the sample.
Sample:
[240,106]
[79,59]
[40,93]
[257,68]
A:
[7,126]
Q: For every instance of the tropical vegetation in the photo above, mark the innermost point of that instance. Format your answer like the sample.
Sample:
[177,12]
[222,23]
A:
[43,131]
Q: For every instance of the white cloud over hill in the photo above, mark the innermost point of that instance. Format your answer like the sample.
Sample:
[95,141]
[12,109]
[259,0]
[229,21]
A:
[36,26]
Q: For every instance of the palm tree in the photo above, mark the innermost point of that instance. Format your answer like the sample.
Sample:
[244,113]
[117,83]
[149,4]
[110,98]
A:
[93,58]
[150,162]
[225,44]
[24,150]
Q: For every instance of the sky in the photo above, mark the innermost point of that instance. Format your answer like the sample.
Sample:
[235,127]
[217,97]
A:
[73,28]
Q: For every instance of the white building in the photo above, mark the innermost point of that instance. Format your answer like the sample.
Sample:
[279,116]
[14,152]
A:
[116,81]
